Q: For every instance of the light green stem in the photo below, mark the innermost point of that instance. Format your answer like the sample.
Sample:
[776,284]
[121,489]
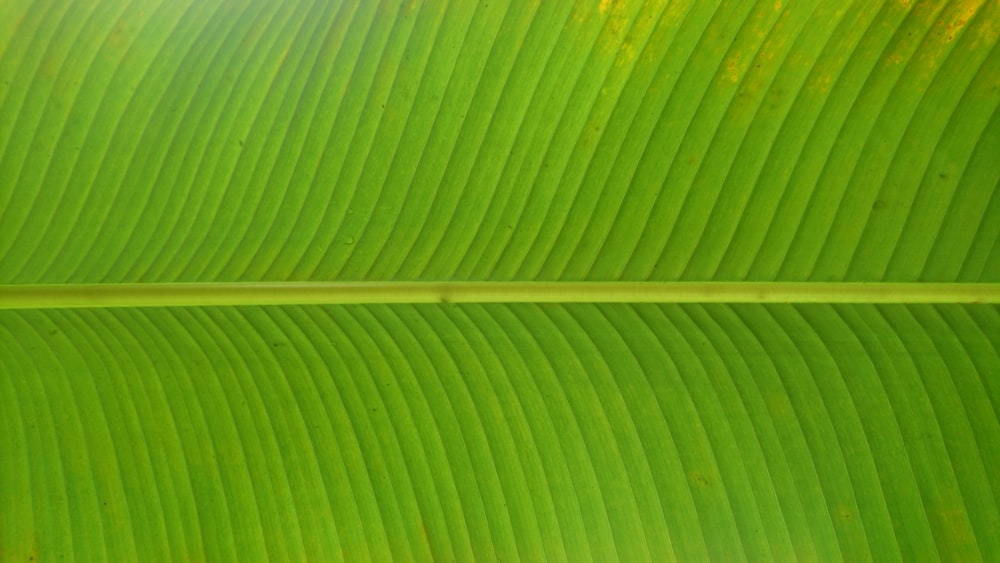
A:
[232,294]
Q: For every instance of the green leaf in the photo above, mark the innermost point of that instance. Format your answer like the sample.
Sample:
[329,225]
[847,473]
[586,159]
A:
[516,280]
[645,432]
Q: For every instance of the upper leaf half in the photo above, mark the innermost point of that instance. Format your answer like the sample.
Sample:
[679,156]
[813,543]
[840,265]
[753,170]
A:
[601,139]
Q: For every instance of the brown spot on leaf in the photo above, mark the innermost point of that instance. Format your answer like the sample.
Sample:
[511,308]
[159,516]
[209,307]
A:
[698,478]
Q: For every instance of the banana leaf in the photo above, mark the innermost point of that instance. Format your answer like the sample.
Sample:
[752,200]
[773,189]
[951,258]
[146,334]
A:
[638,280]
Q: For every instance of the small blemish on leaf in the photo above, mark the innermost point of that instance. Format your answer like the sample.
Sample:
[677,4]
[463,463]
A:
[700,479]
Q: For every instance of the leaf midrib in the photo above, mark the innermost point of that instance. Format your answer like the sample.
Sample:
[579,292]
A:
[47,296]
